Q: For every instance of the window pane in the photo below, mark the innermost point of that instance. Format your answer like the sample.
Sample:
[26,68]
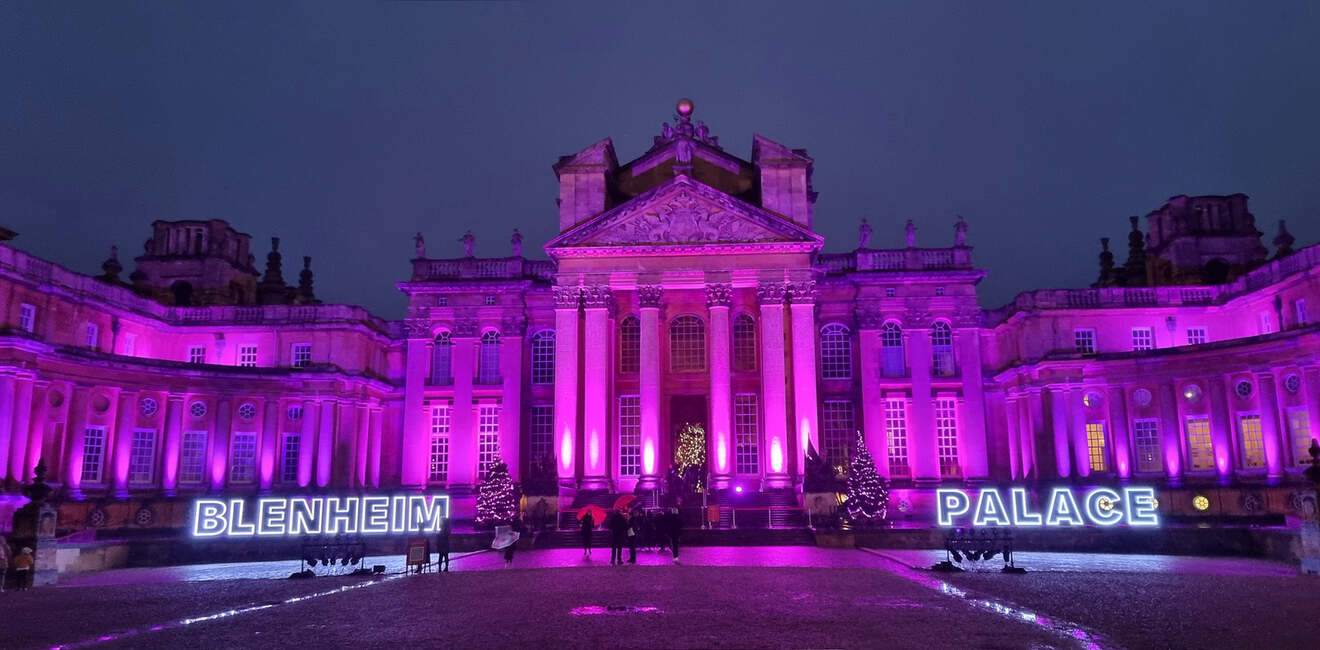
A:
[488,368]
[946,435]
[835,352]
[838,430]
[630,345]
[1253,443]
[1299,427]
[1199,449]
[542,433]
[630,435]
[289,458]
[192,457]
[243,457]
[896,436]
[543,357]
[1146,434]
[1095,446]
[687,344]
[744,344]
[142,457]
[746,434]
[891,350]
[93,454]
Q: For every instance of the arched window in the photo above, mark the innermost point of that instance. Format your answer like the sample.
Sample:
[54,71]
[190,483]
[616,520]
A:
[744,344]
[835,352]
[891,350]
[941,342]
[687,344]
[442,355]
[543,357]
[630,345]
[488,365]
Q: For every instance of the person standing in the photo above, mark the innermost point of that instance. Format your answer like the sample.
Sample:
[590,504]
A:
[618,535]
[673,528]
[634,530]
[588,522]
[23,569]
[442,547]
[4,561]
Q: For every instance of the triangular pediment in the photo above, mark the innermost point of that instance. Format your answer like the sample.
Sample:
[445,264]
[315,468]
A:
[684,212]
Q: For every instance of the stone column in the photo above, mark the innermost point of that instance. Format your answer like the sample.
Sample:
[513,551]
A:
[462,420]
[173,440]
[774,384]
[19,437]
[806,408]
[270,436]
[720,439]
[307,441]
[923,451]
[1124,463]
[8,391]
[1311,396]
[1035,459]
[595,388]
[77,419]
[416,439]
[1171,429]
[1059,422]
[362,448]
[1014,437]
[873,403]
[648,376]
[224,414]
[972,453]
[37,431]
[1077,430]
[1272,434]
[125,417]
[567,300]
[325,442]
[511,412]
[1221,426]
[373,457]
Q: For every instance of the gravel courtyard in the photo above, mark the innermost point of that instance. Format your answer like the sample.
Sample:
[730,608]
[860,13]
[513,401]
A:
[718,597]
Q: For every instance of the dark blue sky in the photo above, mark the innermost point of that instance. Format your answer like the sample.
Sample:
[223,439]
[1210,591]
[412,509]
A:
[345,129]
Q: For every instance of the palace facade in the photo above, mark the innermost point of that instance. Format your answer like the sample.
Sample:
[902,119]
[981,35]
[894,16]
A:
[685,286]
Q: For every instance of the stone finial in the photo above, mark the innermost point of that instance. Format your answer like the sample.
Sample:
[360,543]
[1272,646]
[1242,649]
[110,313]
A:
[910,234]
[515,243]
[469,243]
[960,232]
[1134,270]
[419,245]
[863,234]
[1106,278]
[274,264]
[111,268]
[1283,242]
[305,281]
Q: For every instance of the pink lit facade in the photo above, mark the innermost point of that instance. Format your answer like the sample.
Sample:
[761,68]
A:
[686,285]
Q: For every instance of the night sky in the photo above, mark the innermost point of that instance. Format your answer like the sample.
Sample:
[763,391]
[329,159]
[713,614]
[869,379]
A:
[345,129]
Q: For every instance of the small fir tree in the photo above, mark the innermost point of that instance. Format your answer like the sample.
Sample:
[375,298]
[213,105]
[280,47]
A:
[868,498]
[497,499]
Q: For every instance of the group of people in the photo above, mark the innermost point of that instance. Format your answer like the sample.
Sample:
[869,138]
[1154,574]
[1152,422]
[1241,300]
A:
[630,528]
[21,564]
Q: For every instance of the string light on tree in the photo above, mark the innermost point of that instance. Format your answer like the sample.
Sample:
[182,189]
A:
[497,499]
[867,497]
[690,454]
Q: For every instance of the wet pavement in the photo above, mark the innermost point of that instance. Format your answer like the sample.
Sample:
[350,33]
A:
[716,597]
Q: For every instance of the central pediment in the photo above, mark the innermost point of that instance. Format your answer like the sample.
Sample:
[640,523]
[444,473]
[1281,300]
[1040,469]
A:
[684,212]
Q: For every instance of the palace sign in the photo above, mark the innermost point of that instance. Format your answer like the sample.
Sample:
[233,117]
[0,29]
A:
[1136,506]
[319,515]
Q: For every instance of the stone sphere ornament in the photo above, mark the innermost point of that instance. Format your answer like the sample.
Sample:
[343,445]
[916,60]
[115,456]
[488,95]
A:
[685,107]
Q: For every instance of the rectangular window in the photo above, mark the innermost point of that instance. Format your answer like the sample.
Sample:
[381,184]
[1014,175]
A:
[1299,429]
[838,430]
[289,457]
[197,354]
[130,344]
[1143,338]
[93,454]
[1195,335]
[302,355]
[1095,446]
[746,434]
[247,356]
[91,335]
[488,366]
[1253,442]
[542,434]
[27,317]
[630,345]
[1265,326]
[1084,341]
[441,363]
[630,435]
[1300,308]
[946,435]
[1146,438]
[543,358]
[440,420]
[488,437]
[1200,450]
[243,457]
[896,436]
[142,457]
[192,458]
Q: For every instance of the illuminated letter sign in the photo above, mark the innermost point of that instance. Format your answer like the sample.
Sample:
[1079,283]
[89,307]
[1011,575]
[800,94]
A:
[1135,506]
[297,516]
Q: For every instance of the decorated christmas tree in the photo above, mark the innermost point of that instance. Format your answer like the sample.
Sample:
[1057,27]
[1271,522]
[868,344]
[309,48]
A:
[868,498]
[497,499]
[690,456]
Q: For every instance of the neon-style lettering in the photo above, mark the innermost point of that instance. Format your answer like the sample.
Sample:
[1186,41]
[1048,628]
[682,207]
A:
[1063,509]
[1022,514]
[1141,509]
[1100,515]
[271,517]
[990,510]
[209,518]
[950,504]
[237,527]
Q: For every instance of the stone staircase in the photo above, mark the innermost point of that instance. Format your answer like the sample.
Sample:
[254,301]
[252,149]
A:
[769,518]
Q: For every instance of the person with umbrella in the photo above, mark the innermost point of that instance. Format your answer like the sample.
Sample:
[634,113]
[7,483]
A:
[618,526]
[506,539]
[588,522]
[624,505]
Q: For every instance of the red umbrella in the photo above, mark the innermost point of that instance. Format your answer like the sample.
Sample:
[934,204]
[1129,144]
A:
[597,514]
[624,502]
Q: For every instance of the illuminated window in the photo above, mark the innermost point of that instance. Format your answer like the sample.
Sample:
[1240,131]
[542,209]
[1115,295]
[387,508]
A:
[1143,338]
[687,344]
[1095,446]
[1146,438]
[1200,450]
[488,438]
[941,341]
[946,435]
[142,457]
[27,318]
[891,350]
[896,436]
[630,345]
[746,434]
[247,356]
[541,436]
[543,357]
[835,352]
[838,430]
[91,335]
[192,457]
[93,454]
[1252,441]
[744,344]
[442,354]
[302,355]
[630,435]
[439,459]
[1084,341]
[289,457]
[197,354]
[1299,428]
[488,366]
[1195,335]
[243,457]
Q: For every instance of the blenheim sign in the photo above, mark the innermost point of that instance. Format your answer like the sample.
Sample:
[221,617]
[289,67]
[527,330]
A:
[1135,506]
[319,515]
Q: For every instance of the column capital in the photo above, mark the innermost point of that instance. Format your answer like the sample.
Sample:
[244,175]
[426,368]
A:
[648,296]
[770,293]
[567,297]
[719,295]
[597,296]
[801,292]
